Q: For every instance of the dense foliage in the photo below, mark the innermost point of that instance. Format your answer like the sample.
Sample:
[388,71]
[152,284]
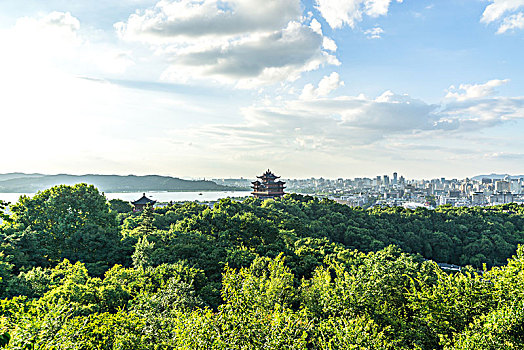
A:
[78,272]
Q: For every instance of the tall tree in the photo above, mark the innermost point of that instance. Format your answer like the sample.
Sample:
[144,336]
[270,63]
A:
[72,222]
[3,215]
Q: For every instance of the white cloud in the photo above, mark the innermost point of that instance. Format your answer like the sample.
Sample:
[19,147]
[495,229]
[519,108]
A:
[325,86]
[475,106]
[228,42]
[334,126]
[60,20]
[349,12]
[476,114]
[503,11]
[329,44]
[326,125]
[474,91]
[328,84]
[512,22]
[252,61]
[498,8]
[374,33]
[336,134]
[375,8]
[316,26]
[178,21]
[504,156]
[56,41]
[51,35]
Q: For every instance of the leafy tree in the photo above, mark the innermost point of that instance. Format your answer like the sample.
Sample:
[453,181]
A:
[142,257]
[72,222]
[3,215]
[296,272]
[353,333]
[120,206]
[144,226]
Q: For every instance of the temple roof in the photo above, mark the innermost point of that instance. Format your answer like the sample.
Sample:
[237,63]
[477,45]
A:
[144,200]
[268,175]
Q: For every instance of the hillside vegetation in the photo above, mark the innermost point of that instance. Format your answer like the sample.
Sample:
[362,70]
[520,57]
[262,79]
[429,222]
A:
[78,272]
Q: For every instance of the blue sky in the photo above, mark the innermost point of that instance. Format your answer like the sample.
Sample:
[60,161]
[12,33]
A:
[333,88]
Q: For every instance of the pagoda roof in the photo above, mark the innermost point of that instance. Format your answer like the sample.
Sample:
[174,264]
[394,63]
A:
[268,175]
[144,200]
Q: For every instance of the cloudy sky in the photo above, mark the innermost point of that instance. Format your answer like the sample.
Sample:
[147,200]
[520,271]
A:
[228,88]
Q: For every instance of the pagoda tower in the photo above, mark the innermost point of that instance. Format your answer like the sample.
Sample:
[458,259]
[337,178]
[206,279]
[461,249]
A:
[267,186]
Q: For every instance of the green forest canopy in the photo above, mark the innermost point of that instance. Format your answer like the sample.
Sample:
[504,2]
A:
[298,272]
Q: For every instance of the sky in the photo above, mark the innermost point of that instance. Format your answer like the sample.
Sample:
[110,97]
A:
[229,88]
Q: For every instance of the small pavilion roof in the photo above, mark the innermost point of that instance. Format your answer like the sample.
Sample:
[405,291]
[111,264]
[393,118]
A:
[144,200]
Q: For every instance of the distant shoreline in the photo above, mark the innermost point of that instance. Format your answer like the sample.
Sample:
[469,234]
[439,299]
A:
[30,183]
[148,191]
[159,196]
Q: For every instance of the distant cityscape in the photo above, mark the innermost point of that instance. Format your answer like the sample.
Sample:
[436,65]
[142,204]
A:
[394,190]
[382,190]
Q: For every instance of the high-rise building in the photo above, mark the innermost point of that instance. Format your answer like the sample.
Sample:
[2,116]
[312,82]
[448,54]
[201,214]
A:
[386,180]
[478,198]
[515,186]
[395,178]
[502,186]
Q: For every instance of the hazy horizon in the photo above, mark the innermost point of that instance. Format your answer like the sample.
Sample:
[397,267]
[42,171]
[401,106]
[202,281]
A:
[278,174]
[226,89]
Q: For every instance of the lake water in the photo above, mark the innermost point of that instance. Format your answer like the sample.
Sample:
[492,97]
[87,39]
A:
[157,196]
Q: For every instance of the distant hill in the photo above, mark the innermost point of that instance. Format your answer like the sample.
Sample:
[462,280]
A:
[10,176]
[496,176]
[28,183]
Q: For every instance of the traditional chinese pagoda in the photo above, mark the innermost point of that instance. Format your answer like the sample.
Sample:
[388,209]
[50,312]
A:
[142,203]
[267,186]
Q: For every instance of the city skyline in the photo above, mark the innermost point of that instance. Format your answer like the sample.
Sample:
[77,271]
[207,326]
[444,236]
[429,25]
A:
[381,175]
[313,88]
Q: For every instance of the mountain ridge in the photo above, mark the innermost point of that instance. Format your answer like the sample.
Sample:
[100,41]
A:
[21,183]
[494,176]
